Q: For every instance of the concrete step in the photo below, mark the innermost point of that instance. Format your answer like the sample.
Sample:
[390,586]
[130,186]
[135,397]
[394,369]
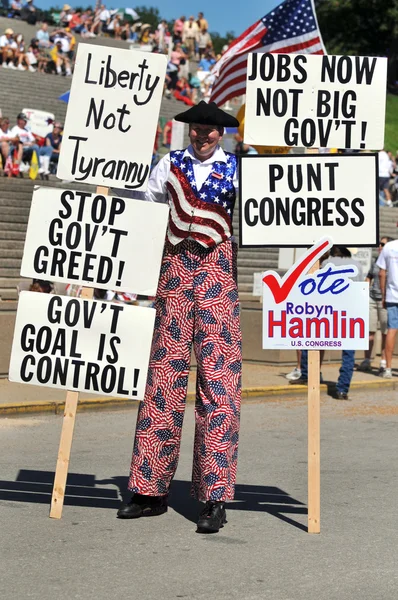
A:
[9,282]
[254,264]
[7,254]
[8,294]
[11,245]
[15,218]
[10,263]
[6,233]
[10,211]
[11,272]
[21,199]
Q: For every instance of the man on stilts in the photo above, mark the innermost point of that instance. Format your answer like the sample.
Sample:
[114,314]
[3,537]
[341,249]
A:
[197,301]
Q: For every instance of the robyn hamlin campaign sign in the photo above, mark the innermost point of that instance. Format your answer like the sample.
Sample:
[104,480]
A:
[82,345]
[321,101]
[112,117]
[324,310]
[293,200]
[95,240]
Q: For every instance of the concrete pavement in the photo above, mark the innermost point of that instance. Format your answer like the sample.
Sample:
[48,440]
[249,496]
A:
[263,553]
[258,380]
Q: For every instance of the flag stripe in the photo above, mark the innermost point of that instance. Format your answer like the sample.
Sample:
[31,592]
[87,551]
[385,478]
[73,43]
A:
[291,27]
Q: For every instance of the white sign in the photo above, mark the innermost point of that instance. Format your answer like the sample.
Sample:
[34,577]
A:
[364,257]
[112,117]
[99,241]
[82,345]
[324,310]
[177,135]
[39,122]
[292,200]
[322,101]
[288,256]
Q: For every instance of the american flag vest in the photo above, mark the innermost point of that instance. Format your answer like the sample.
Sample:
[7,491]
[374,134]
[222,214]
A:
[204,215]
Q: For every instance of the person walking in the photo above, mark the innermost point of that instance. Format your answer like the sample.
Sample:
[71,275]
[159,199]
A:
[388,275]
[377,315]
[197,302]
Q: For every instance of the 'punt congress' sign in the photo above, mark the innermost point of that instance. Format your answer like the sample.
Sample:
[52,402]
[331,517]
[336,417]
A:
[293,200]
[324,310]
[320,101]
[82,345]
[95,240]
[112,117]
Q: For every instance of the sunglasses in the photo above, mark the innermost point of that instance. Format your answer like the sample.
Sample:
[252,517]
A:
[382,244]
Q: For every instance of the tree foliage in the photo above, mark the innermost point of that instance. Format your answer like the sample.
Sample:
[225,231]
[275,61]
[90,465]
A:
[361,28]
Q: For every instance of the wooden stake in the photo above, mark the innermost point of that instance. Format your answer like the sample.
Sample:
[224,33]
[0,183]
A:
[314,438]
[68,425]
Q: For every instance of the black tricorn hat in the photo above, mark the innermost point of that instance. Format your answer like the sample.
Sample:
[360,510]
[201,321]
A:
[207,114]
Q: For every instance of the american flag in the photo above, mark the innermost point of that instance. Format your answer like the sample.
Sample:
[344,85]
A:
[291,27]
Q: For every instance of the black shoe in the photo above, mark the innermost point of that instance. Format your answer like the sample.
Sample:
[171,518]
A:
[143,506]
[299,381]
[212,517]
[341,396]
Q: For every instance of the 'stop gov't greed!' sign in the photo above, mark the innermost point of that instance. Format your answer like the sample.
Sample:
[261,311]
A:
[112,117]
[315,101]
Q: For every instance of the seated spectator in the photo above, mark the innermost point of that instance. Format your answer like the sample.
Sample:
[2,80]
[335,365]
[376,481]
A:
[16,7]
[29,13]
[183,92]
[178,56]
[101,20]
[43,36]
[26,144]
[178,29]
[22,55]
[50,151]
[8,49]
[60,59]
[6,139]
[66,15]
[145,35]
[115,27]
[42,286]
[167,131]
[204,43]
[75,21]
[207,61]
[38,57]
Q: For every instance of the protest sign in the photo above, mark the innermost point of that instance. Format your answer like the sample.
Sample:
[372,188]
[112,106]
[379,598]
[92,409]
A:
[90,239]
[324,310]
[306,197]
[39,122]
[321,101]
[363,256]
[82,345]
[112,117]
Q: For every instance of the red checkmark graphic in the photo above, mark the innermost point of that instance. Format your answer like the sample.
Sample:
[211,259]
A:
[281,292]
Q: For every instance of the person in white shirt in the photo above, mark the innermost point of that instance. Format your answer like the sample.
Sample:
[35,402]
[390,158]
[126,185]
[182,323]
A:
[197,302]
[8,49]
[385,172]
[388,276]
[6,139]
[190,34]
[26,140]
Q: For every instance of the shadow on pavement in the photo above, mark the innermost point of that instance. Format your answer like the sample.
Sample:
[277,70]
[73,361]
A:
[84,490]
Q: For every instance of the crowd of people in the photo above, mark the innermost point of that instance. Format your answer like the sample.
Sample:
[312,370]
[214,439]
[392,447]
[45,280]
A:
[54,51]
[19,148]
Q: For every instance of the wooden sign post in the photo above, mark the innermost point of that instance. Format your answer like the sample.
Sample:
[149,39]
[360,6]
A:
[68,425]
[314,438]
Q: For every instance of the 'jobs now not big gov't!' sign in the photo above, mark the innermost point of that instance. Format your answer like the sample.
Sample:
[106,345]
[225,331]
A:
[315,101]
[112,117]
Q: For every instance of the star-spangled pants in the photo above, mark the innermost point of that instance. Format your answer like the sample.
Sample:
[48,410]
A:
[197,301]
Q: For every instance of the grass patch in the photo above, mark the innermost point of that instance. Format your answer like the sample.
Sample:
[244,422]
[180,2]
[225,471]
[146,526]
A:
[391,136]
